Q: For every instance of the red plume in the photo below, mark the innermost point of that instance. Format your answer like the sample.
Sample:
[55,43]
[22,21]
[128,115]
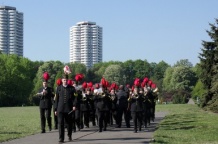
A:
[133,87]
[84,85]
[103,82]
[145,80]
[143,84]
[153,86]
[59,82]
[149,82]
[97,86]
[92,88]
[46,76]
[90,84]
[113,86]
[107,84]
[79,77]
[70,82]
[137,82]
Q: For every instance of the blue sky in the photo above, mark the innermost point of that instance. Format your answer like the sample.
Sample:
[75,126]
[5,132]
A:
[155,30]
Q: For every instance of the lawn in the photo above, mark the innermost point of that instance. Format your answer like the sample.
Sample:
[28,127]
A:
[187,124]
[16,122]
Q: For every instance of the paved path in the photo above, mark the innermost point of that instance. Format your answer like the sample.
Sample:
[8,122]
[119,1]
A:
[91,135]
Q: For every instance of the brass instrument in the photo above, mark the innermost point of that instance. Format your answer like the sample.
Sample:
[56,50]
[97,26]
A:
[155,90]
[113,97]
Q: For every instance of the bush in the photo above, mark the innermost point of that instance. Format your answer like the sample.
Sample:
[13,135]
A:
[181,97]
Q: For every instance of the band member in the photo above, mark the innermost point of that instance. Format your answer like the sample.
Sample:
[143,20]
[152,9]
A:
[146,107]
[122,105]
[103,106]
[85,108]
[64,105]
[46,95]
[136,108]
[58,83]
[113,113]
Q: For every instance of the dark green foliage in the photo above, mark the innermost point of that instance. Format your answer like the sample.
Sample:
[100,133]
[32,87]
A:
[16,81]
[209,69]
[181,97]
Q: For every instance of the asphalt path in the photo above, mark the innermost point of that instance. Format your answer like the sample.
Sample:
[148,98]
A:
[91,135]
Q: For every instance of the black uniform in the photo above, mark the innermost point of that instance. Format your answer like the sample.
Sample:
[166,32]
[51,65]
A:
[122,105]
[45,106]
[146,109]
[103,107]
[113,113]
[136,108]
[85,108]
[65,101]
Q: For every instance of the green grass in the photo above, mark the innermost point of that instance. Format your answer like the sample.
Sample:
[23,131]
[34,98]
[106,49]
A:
[16,122]
[187,124]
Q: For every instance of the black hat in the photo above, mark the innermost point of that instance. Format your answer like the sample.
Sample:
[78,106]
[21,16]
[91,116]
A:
[65,76]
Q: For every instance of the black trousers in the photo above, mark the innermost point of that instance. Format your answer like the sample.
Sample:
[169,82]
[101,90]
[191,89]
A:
[137,118]
[55,120]
[62,118]
[84,118]
[113,116]
[120,111]
[45,114]
[103,117]
[146,116]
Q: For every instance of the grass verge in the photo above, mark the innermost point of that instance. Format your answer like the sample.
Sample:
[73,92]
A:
[187,124]
[16,122]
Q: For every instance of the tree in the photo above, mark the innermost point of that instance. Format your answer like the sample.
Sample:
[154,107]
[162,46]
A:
[209,65]
[183,78]
[16,80]
[184,62]
[167,86]
[114,74]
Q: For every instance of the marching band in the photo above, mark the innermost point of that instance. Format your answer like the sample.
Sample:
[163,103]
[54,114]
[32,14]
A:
[102,105]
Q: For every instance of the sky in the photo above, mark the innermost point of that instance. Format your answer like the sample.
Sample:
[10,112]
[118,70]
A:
[152,30]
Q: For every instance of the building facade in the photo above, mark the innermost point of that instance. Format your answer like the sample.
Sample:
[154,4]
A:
[86,43]
[11,31]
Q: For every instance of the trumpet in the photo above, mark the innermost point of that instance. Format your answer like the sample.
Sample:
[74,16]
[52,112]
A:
[155,90]
[135,96]
[112,97]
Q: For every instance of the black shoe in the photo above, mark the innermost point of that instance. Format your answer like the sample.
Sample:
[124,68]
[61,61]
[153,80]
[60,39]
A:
[105,129]
[70,138]
[61,141]
[43,131]
[118,126]
[135,131]
[49,128]
[100,130]
[128,126]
